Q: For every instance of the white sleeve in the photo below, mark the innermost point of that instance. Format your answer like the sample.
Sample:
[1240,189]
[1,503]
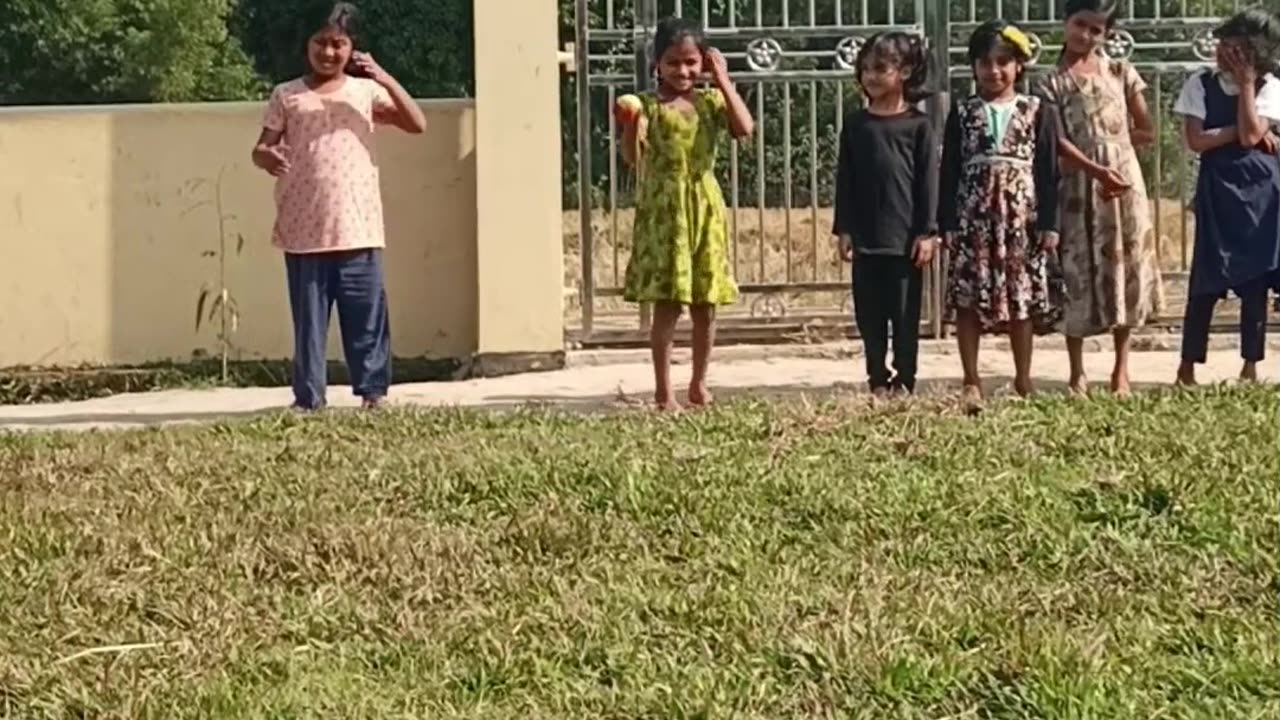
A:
[1269,100]
[1191,100]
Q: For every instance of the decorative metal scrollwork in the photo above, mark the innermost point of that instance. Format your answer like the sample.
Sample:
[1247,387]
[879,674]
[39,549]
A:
[1119,45]
[1037,47]
[769,305]
[847,52]
[764,55]
[1205,45]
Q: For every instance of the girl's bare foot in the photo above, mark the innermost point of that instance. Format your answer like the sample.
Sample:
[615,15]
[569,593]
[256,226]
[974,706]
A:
[666,403]
[1186,375]
[1249,373]
[1023,387]
[1120,385]
[700,397]
[971,399]
[879,394]
[1078,387]
[374,403]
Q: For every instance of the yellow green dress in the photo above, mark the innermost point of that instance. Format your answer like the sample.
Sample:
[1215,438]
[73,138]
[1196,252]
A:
[680,250]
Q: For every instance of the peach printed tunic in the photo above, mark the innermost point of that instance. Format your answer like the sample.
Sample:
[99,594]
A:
[330,199]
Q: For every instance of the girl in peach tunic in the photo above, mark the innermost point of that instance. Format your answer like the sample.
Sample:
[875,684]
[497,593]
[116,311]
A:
[317,140]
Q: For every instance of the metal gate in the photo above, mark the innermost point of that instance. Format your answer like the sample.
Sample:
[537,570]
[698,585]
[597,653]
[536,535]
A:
[793,63]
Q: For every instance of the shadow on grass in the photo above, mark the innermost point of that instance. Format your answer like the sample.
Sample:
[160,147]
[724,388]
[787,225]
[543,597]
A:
[995,387]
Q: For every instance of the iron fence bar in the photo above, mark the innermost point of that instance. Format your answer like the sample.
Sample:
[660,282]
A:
[758,288]
[1138,24]
[787,197]
[735,201]
[1158,169]
[813,174]
[1183,167]
[936,16]
[582,85]
[760,186]
[792,32]
[613,181]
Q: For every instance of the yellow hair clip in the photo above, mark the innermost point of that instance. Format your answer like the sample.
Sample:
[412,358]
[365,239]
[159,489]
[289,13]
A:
[1018,39]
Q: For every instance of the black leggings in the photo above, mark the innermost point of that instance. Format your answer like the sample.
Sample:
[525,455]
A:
[887,297]
[1253,323]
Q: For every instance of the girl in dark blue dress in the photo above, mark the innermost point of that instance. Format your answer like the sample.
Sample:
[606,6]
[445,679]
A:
[1231,118]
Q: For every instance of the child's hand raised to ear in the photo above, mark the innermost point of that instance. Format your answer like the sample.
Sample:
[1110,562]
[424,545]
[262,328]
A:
[366,66]
[717,67]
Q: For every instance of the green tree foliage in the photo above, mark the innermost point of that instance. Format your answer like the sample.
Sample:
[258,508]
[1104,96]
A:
[93,51]
[85,51]
[426,44]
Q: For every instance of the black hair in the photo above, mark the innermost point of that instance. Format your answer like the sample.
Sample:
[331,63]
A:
[672,31]
[989,36]
[907,52]
[325,14]
[1108,8]
[1260,30]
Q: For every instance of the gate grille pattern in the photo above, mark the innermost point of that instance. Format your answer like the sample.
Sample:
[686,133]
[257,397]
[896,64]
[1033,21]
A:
[793,63]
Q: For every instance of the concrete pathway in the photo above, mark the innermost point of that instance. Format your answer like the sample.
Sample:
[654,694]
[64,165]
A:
[596,380]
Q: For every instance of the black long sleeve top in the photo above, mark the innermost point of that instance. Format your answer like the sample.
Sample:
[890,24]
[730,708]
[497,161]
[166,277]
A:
[886,182]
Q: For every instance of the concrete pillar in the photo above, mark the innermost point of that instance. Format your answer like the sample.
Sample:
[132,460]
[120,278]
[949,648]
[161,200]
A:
[519,252]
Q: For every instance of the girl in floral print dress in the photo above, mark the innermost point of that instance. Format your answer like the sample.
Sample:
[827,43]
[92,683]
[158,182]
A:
[998,207]
[680,255]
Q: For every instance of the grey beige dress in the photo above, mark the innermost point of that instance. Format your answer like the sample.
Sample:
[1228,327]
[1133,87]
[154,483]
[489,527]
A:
[1107,247]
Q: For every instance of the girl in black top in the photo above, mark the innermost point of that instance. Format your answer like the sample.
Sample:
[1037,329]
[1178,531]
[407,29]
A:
[886,200]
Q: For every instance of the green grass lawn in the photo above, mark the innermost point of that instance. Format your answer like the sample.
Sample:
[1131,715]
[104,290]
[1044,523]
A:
[764,560]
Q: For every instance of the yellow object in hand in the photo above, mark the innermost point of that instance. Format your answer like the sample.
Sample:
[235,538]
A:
[628,109]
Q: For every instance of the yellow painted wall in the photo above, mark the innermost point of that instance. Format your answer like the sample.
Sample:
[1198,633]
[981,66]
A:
[107,215]
[517,75]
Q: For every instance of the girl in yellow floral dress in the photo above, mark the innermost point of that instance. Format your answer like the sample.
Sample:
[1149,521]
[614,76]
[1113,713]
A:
[680,255]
